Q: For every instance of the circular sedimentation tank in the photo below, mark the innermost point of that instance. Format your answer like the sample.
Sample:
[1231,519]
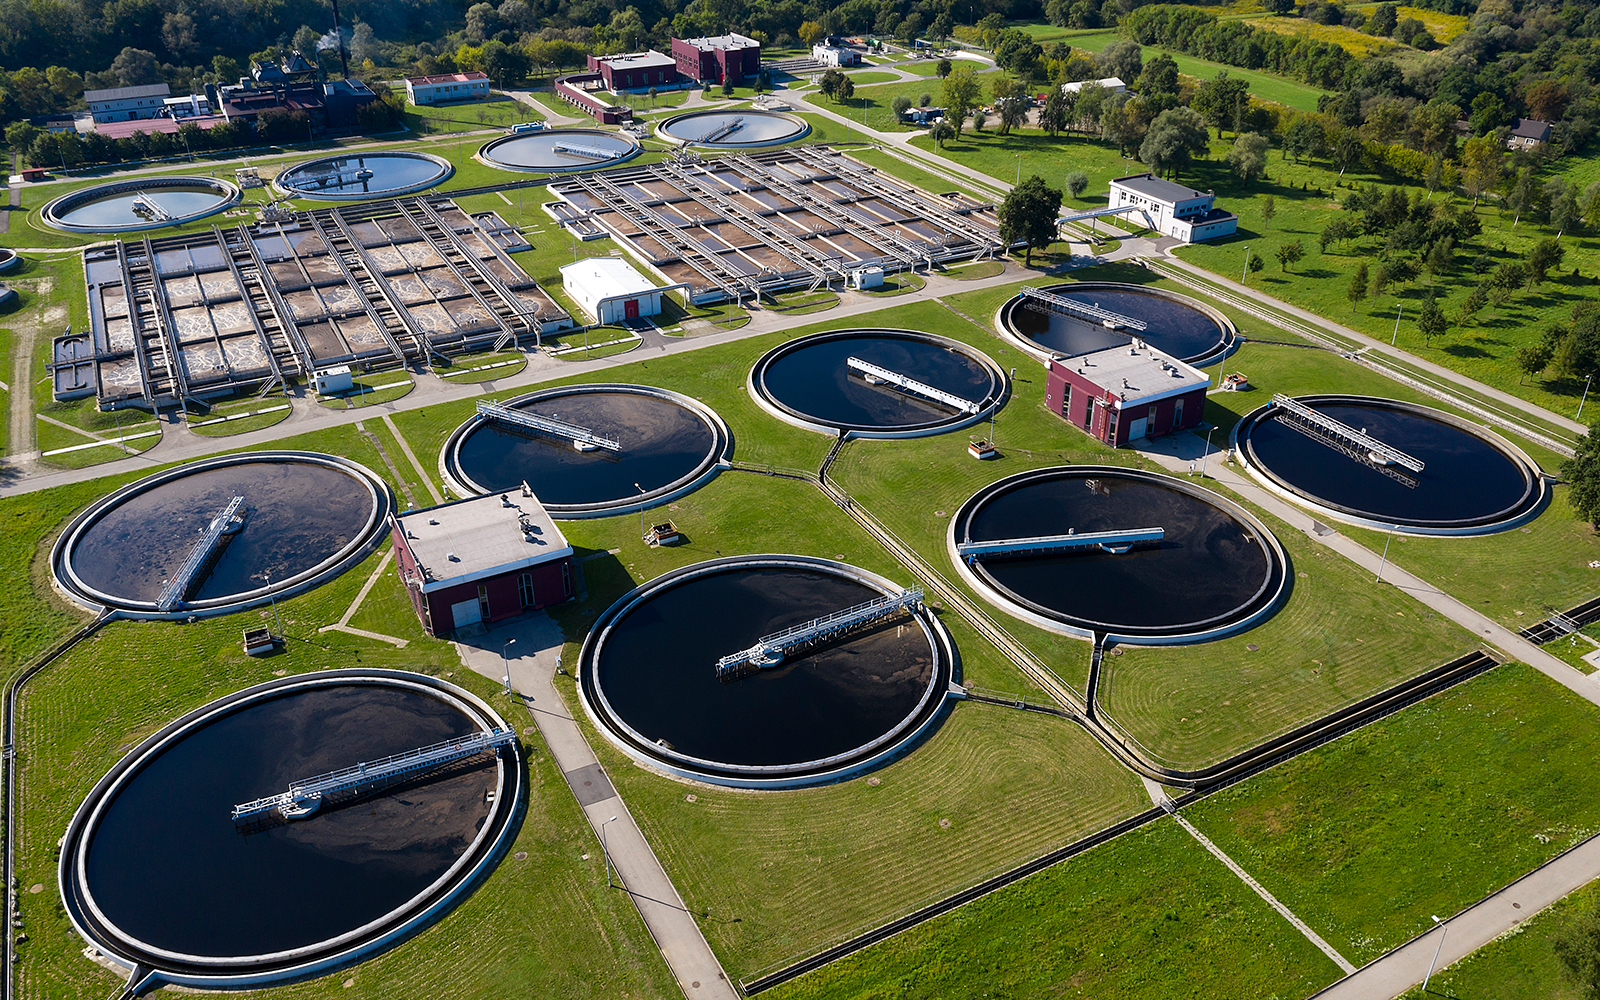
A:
[304,519]
[1175,324]
[668,444]
[648,674]
[836,382]
[9,259]
[733,129]
[1213,571]
[353,177]
[132,205]
[559,150]
[1471,481]
[157,875]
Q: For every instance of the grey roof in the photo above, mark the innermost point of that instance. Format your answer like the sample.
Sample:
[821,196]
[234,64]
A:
[479,537]
[127,93]
[1528,128]
[1137,373]
[1152,186]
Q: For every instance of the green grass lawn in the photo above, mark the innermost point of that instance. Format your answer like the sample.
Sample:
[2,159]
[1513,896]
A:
[51,438]
[370,390]
[880,114]
[268,412]
[1150,914]
[802,303]
[1339,638]
[497,110]
[559,931]
[1419,814]
[490,366]
[1519,965]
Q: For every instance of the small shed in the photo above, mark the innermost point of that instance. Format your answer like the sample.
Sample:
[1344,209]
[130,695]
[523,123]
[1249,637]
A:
[328,381]
[867,277]
[610,290]
[481,560]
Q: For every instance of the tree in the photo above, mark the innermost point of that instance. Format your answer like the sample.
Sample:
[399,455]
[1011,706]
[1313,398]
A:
[961,90]
[980,118]
[1383,20]
[1482,163]
[1289,253]
[942,132]
[1472,305]
[1248,157]
[811,32]
[1431,322]
[1546,253]
[845,92]
[1175,138]
[1358,286]
[135,67]
[1533,359]
[901,104]
[1160,77]
[1269,208]
[989,27]
[1525,195]
[1077,183]
[1577,948]
[1028,215]
[836,86]
[1121,59]
[1255,264]
[1054,116]
[1305,138]
[1218,99]
[1380,280]
[942,68]
[924,99]
[177,34]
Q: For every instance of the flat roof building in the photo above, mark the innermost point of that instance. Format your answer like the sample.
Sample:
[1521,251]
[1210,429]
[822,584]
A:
[481,560]
[442,88]
[835,55]
[122,104]
[1112,84]
[610,290]
[636,71]
[717,58]
[1175,210]
[1122,394]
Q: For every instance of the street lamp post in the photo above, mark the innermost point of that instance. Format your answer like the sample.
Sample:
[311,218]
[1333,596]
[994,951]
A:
[606,850]
[642,492]
[1205,455]
[1399,308]
[1246,269]
[1585,399]
[1019,169]
[1442,930]
[1383,561]
[505,661]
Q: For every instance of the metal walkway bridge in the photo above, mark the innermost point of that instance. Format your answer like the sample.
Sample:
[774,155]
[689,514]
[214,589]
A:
[307,796]
[590,151]
[719,134]
[1040,300]
[581,437]
[1346,440]
[1117,542]
[771,650]
[910,386]
[146,206]
[194,564]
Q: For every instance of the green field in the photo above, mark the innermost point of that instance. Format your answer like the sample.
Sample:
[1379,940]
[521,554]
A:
[1419,814]
[1150,914]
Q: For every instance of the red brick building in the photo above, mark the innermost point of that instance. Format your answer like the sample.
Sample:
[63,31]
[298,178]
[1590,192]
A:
[1122,394]
[636,71]
[481,560]
[717,58]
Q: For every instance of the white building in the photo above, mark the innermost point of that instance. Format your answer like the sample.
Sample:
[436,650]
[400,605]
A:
[1173,209]
[126,104]
[189,106]
[830,55]
[610,289]
[1112,85]
[447,87]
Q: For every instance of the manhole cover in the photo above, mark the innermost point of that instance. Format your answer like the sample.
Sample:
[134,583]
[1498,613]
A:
[1252,647]
[944,824]
[874,782]
[521,855]
[691,798]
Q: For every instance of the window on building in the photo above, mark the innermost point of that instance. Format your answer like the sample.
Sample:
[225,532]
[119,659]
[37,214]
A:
[525,589]
[566,579]
[1177,412]
[483,600]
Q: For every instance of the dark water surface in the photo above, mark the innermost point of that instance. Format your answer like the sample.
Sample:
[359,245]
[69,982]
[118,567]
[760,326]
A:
[1208,564]
[337,175]
[1464,477]
[167,866]
[657,669]
[297,515]
[814,381]
[662,443]
[1186,334]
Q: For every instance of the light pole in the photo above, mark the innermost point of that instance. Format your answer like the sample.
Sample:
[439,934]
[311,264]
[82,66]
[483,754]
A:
[642,492]
[1019,169]
[505,661]
[1399,308]
[1585,398]
[1384,560]
[606,850]
[1207,453]
[1246,269]
[1442,930]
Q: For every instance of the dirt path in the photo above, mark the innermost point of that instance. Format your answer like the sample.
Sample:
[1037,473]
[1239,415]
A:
[26,330]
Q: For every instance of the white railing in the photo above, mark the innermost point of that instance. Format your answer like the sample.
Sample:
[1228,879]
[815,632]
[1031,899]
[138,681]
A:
[1040,300]
[911,385]
[770,650]
[1109,541]
[490,410]
[199,554]
[1376,450]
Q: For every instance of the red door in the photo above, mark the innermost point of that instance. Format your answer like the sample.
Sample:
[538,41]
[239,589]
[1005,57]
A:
[630,309]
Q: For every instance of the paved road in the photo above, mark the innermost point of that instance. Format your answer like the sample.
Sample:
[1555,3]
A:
[1392,974]
[1177,451]
[638,871]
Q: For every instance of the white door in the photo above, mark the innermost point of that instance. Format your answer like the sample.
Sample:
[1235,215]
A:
[466,613]
[1136,429]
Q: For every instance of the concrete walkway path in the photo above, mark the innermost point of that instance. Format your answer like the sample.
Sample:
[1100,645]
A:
[1177,451]
[1392,974]
[532,664]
